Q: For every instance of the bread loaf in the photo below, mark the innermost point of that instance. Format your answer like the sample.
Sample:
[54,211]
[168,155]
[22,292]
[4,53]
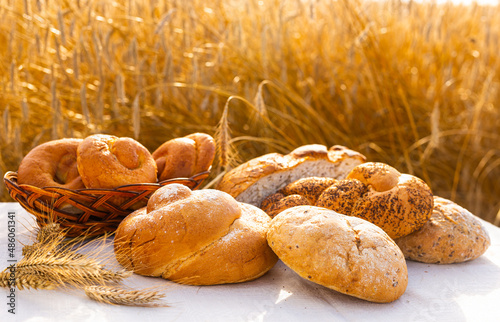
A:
[256,179]
[398,203]
[347,254]
[201,237]
[452,235]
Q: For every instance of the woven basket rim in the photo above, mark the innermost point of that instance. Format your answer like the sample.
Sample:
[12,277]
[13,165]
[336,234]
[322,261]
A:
[97,208]
[11,177]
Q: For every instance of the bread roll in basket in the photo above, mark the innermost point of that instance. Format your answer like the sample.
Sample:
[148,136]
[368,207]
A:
[88,186]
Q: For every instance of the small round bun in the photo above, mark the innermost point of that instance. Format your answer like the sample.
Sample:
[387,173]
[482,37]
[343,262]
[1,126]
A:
[452,235]
[52,164]
[106,161]
[201,237]
[347,254]
[184,157]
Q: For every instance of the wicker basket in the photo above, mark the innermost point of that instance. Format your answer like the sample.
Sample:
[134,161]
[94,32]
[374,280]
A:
[87,211]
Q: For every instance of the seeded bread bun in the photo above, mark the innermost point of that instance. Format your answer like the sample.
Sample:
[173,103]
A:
[201,237]
[256,179]
[347,254]
[302,192]
[398,203]
[452,235]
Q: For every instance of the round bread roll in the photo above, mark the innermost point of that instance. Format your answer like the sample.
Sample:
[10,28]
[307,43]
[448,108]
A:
[347,254]
[52,164]
[258,178]
[184,157]
[398,203]
[201,237]
[106,161]
[452,235]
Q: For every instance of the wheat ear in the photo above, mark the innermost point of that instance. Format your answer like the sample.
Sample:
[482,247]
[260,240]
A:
[121,296]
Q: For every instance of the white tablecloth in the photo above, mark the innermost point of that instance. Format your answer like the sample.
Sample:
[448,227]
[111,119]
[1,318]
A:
[458,292]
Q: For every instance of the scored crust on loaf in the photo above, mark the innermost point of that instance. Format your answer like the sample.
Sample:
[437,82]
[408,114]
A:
[452,235]
[347,254]
[254,180]
[201,237]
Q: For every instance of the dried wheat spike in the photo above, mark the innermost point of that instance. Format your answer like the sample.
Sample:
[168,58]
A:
[26,281]
[120,296]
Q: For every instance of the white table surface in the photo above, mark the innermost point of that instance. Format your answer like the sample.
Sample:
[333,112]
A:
[458,292]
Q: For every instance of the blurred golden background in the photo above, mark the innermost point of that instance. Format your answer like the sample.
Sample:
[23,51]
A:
[414,85]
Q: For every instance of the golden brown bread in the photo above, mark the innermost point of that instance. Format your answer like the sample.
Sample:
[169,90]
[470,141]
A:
[106,161]
[304,191]
[51,164]
[347,254]
[256,179]
[452,235]
[184,157]
[398,203]
[201,237]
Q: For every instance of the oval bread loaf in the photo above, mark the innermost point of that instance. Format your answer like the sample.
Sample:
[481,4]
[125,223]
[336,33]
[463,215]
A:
[201,237]
[452,235]
[256,179]
[347,254]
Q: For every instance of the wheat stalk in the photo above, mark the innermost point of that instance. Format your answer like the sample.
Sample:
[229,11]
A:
[21,281]
[121,296]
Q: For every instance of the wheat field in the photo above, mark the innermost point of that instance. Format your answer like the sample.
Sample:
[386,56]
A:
[414,85]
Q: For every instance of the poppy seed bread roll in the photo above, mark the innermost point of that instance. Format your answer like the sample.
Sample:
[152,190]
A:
[347,254]
[201,237]
[396,202]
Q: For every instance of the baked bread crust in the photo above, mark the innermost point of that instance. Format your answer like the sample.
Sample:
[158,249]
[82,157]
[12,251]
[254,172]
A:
[106,161]
[452,235]
[398,203]
[184,157]
[347,254]
[243,181]
[302,192]
[52,164]
[201,237]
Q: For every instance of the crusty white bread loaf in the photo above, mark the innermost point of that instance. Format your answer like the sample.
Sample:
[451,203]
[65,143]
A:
[256,179]
[452,235]
[347,254]
[201,237]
